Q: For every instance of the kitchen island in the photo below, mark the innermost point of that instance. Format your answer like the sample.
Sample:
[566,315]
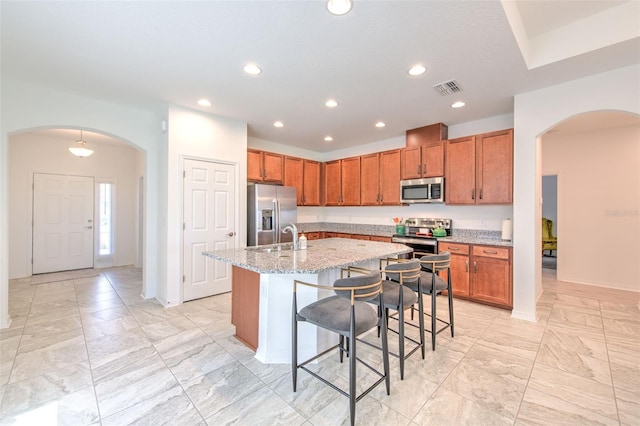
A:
[262,290]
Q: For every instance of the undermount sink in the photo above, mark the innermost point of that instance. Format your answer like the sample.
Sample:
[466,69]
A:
[270,249]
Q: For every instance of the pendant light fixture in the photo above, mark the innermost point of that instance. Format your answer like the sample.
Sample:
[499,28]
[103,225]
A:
[80,149]
[339,7]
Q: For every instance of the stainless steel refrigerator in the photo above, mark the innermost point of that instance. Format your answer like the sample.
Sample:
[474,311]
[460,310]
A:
[269,209]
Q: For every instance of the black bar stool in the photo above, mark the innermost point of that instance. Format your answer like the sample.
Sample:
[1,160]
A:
[348,315]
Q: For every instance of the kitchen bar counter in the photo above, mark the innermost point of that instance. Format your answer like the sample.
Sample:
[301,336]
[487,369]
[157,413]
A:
[262,290]
[320,255]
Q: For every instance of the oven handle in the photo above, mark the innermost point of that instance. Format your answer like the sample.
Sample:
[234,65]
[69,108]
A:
[414,241]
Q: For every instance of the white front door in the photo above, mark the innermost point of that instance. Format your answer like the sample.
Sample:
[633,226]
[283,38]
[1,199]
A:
[209,224]
[62,222]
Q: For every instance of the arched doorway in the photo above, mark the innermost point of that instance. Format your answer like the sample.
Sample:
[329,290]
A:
[595,158]
[116,168]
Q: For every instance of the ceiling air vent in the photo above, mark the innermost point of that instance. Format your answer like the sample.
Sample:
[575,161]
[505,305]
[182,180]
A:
[448,88]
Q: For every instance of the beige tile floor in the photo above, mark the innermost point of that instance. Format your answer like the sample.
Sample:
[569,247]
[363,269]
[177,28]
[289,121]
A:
[85,348]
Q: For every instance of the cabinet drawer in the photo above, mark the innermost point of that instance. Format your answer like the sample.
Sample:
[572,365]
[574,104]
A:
[454,248]
[489,251]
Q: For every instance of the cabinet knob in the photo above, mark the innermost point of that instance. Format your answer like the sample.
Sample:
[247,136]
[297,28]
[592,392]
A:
[466,266]
[473,194]
[481,193]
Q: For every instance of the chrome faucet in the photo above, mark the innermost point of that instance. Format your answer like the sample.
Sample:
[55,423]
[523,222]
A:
[294,230]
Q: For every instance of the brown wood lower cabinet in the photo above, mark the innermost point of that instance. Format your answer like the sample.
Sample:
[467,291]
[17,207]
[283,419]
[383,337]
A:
[481,273]
[381,239]
[313,235]
[245,305]
[459,267]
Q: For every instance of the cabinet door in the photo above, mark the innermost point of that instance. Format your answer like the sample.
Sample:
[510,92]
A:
[460,182]
[293,176]
[389,178]
[254,165]
[370,177]
[491,281]
[311,183]
[332,183]
[433,160]
[460,275]
[351,181]
[494,156]
[459,267]
[411,163]
[273,170]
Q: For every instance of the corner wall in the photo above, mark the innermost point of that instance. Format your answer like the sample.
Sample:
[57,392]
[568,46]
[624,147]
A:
[193,134]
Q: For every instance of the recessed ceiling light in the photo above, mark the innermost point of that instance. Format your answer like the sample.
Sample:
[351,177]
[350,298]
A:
[252,69]
[328,139]
[278,124]
[380,124]
[339,7]
[417,70]
[204,102]
[331,103]
[458,104]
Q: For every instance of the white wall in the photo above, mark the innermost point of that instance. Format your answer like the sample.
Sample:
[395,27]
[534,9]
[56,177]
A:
[193,134]
[29,153]
[599,205]
[534,113]
[26,107]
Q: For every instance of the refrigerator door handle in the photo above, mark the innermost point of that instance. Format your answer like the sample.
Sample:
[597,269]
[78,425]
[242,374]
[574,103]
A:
[276,221]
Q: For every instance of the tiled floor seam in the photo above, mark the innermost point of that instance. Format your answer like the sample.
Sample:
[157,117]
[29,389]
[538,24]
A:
[533,365]
[606,345]
[93,383]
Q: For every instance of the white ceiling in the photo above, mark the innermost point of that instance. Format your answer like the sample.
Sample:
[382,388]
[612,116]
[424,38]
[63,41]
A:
[149,54]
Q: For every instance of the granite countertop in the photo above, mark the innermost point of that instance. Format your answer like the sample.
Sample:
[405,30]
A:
[320,255]
[462,236]
[469,239]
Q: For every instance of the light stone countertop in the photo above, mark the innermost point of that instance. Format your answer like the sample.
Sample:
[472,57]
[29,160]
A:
[469,239]
[320,255]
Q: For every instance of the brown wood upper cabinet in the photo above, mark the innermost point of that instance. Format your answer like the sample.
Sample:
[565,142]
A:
[423,161]
[342,182]
[264,166]
[424,154]
[479,169]
[380,176]
[304,175]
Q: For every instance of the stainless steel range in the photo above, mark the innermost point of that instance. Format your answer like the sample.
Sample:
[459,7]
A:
[418,234]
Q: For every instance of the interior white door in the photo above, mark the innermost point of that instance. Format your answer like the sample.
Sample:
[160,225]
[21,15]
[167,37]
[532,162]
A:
[209,224]
[62,222]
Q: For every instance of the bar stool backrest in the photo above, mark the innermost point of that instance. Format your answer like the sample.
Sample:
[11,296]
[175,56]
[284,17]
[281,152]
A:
[360,287]
[436,262]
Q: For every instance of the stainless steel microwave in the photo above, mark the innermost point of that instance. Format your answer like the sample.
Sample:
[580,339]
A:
[428,190]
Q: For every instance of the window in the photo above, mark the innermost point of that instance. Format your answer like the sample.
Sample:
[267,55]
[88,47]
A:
[105,219]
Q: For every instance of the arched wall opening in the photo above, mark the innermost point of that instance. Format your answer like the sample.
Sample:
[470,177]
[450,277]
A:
[24,109]
[535,113]
[595,156]
[45,152]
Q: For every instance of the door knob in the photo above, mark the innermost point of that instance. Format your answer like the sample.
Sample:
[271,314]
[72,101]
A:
[231,234]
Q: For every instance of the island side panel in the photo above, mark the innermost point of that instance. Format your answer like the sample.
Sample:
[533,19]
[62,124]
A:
[245,305]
